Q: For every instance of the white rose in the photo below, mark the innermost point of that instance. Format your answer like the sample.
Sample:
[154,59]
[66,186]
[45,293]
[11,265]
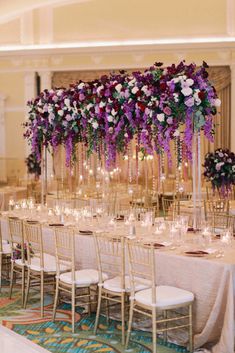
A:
[187,91]
[134,90]
[60,112]
[126,134]
[176,133]
[102,104]
[95,125]
[50,109]
[81,85]
[89,106]
[189,82]
[161,117]
[217,102]
[118,88]
[113,112]
[67,102]
[100,88]
[132,82]
[59,93]
[110,119]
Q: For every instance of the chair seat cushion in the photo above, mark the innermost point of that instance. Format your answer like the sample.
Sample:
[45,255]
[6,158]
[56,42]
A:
[165,296]
[6,248]
[114,284]
[49,264]
[19,262]
[82,277]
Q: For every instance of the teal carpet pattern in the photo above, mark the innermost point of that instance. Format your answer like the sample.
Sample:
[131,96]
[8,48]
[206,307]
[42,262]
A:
[57,337]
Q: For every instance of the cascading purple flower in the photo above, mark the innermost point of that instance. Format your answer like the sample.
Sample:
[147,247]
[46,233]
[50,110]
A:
[154,106]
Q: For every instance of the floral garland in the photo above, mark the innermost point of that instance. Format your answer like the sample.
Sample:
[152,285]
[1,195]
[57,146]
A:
[106,114]
[220,169]
[33,164]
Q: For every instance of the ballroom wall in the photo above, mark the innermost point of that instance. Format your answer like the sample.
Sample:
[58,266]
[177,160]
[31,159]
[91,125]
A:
[91,21]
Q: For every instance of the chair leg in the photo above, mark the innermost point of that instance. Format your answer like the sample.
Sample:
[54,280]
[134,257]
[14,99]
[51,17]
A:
[73,308]
[11,279]
[89,301]
[107,308]
[154,330]
[27,289]
[191,348]
[55,299]
[123,317]
[130,322]
[42,293]
[98,310]
[1,259]
[165,332]
[22,285]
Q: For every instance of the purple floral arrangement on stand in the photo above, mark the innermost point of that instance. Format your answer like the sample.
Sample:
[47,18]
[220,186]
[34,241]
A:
[153,107]
[220,170]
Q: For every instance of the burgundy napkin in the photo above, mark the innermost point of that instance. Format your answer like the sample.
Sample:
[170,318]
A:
[88,232]
[56,225]
[196,252]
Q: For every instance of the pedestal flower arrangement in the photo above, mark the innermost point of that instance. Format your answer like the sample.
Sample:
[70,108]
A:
[220,170]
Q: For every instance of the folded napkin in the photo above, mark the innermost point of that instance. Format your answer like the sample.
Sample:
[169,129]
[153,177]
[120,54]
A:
[31,221]
[56,225]
[196,252]
[88,232]
[156,245]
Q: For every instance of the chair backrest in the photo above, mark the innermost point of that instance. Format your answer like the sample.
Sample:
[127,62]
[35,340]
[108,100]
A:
[110,254]
[34,242]
[141,262]
[171,207]
[65,250]
[220,222]
[16,233]
[215,207]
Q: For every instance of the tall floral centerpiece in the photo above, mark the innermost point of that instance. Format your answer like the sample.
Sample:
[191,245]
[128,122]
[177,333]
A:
[219,170]
[105,115]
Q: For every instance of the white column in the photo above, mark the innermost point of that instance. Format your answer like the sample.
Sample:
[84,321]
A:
[3,175]
[45,83]
[29,93]
[232,130]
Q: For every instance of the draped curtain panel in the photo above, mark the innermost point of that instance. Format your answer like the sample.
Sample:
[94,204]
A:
[220,76]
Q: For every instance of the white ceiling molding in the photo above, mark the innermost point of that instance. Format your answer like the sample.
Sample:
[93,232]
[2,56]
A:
[124,45]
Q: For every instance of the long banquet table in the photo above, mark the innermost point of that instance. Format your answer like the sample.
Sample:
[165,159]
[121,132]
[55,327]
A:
[212,280]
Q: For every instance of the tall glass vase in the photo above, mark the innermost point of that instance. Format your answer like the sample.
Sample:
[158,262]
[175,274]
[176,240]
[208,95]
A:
[196,175]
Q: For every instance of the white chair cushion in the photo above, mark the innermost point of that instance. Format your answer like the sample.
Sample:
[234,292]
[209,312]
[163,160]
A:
[82,277]
[165,296]
[49,264]
[114,284]
[6,248]
[19,262]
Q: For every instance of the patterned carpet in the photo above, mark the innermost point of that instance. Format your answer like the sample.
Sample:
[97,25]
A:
[56,336]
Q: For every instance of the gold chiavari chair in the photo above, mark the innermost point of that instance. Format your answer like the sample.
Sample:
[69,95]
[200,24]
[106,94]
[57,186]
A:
[5,256]
[18,252]
[115,289]
[220,222]
[40,265]
[111,260]
[170,207]
[215,207]
[156,300]
[79,285]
